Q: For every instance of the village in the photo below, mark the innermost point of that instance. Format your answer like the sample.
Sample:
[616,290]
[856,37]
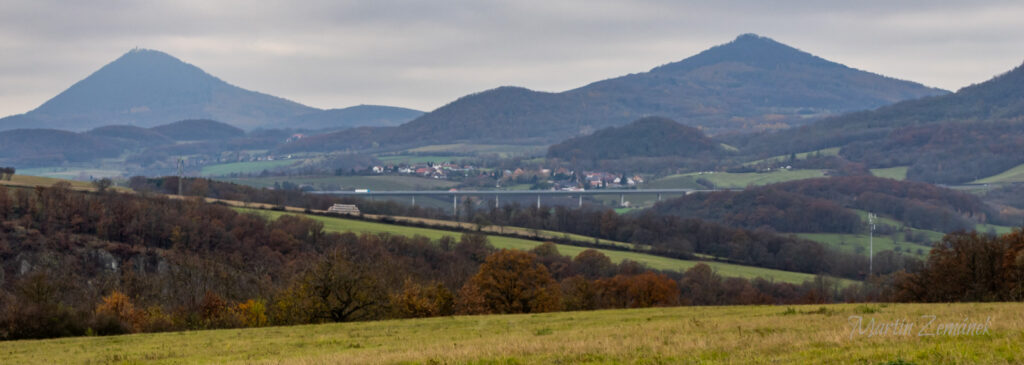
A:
[538,178]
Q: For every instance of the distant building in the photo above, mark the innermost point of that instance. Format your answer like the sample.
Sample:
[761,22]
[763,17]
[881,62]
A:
[350,209]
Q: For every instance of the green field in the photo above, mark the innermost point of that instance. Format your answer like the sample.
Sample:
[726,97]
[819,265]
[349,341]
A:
[1013,175]
[895,173]
[498,149]
[999,230]
[332,224]
[624,210]
[417,159]
[252,167]
[858,243]
[384,182]
[727,180]
[834,151]
[816,334]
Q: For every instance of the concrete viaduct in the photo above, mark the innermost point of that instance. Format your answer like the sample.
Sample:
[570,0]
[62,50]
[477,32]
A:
[511,193]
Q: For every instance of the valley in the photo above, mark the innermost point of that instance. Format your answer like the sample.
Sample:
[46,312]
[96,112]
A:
[744,201]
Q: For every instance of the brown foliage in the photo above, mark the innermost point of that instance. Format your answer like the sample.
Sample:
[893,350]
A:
[593,264]
[967,267]
[422,301]
[578,293]
[510,282]
[119,307]
[639,291]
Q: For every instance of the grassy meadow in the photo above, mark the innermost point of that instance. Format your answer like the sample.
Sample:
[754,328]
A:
[858,243]
[729,180]
[895,173]
[332,224]
[825,334]
[834,151]
[469,148]
[250,167]
[1013,175]
[417,159]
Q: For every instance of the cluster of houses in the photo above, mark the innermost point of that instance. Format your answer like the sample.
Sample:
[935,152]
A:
[598,180]
[431,170]
[564,179]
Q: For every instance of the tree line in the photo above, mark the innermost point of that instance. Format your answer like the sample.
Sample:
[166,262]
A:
[78,263]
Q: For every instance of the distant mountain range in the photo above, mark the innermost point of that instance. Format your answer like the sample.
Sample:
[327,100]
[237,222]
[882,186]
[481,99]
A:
[956,138]
[145,88]
[51,147]
[752,83]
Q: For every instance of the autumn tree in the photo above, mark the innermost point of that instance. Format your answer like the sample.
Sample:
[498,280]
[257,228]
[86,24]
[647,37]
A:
[578,293]
[417,300]
[963,267]
[102,185]
[593,264]
[117,314]
[701,285]
[559,266]
[638,291]
[1013,265]
[344,291]
[510,281]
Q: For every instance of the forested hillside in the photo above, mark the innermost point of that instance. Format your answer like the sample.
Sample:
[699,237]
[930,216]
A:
[651,138]
[47,147]
[198,130]
[74,263]
[142,146]
[823,205]
[947,139]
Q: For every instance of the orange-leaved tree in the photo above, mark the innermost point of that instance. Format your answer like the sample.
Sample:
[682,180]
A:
[510,281]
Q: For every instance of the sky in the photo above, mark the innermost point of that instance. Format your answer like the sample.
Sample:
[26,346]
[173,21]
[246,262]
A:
[424,54]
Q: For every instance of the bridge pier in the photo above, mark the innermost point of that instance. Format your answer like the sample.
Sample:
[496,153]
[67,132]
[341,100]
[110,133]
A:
[538,201]
[622,199]
[455,207]
[581,201]
[414,200]
[496,201]
[659,197]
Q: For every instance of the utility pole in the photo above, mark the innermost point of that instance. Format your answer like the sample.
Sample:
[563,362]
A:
[871,244]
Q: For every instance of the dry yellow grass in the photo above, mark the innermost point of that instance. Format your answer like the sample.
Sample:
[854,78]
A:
[713,335]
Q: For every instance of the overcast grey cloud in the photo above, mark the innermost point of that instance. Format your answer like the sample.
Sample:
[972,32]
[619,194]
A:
[423,54]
